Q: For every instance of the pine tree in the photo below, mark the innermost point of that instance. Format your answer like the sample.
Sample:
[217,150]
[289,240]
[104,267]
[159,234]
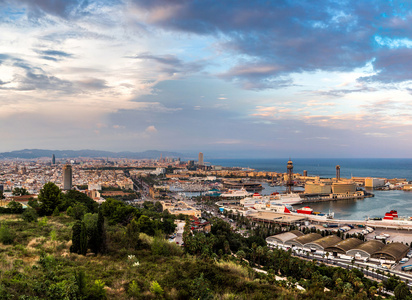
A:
[77,228]
[83,239]
[79,238]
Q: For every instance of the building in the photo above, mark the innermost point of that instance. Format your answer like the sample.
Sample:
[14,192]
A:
[393,251]
[281,238]
[366,249]
[300,241]
[374,182]
[200,162]
[323,243]
[344,246]
[319,187]
[67,177]
[53,159]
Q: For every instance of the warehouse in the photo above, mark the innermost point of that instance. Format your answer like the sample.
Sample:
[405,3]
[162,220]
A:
[298,242]
[343,246]
[280,239]
[366,249]
[323,243]
[392,251]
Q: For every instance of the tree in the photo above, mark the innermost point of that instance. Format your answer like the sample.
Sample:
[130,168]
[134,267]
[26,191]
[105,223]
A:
[79,238]
[20,192]
[145,225]
[29,215]
[56,212]
[402,291]
[50,198]
[73,197]
[15,207]
[132,234]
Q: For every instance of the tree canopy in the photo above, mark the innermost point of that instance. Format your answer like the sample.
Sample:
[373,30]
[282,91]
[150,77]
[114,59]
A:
[50,197]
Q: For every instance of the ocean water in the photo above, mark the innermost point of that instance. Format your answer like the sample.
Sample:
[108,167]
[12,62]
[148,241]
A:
[326,167]
[383,201]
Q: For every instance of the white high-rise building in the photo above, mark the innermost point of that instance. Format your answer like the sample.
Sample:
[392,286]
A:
[200,163]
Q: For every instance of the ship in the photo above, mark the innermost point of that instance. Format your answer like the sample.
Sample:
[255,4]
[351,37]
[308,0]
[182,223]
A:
[242,193]
[391,218]
[274,198]
[288,209]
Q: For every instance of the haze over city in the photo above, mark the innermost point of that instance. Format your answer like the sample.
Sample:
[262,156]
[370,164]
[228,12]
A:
[228,78]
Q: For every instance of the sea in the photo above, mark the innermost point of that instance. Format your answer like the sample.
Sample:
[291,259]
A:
[359,209]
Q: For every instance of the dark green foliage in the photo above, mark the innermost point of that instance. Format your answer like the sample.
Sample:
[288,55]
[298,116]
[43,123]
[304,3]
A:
[79,238]
[80,279]
[50,198]
[6,235]
[83,239]
[132,235]
[34,203]
[15,207]
[402,291]
[20,192]
[77,228]
[73,197]
[96,232]
[56,212]
[100,242]
[118,212]
[77,211]
[201,288]
[145,225]
[29,215]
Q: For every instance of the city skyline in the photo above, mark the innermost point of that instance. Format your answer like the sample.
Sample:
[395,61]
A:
[229,79]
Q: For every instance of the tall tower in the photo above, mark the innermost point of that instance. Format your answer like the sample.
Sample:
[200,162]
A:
[53,159]
[289,184]
[67,177]
[200,163]
[337,173]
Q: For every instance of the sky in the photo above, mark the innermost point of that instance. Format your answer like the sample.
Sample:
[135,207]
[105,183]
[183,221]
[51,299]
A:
[243,78]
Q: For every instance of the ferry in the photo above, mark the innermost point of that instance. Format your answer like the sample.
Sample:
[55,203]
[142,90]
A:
[391,218]
[274,198]
[288,209]
[242,193]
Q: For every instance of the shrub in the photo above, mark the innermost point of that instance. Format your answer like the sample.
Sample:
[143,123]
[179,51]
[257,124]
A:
[15,207]
[6,235]
[29,215]
[134,289]
[97,291]
[156,289]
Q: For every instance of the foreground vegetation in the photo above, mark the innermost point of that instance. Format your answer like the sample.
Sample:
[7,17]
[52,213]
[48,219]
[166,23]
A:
[75,250]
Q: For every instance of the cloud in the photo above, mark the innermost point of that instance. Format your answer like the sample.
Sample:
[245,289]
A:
[277,38]
[61,8]
[151,129]
[170,64]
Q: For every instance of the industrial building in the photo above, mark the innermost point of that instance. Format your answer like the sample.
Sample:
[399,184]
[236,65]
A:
[366,249]
[373,249]
[300,241]
[281,238]
[392,251]
[374,182]
[343,246]
[323,243]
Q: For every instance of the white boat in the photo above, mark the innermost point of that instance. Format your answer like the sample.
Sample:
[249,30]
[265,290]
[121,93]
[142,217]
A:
[288,209]
[291,199]
[236,194]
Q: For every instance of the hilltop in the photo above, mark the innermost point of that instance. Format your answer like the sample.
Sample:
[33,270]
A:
[65,154]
